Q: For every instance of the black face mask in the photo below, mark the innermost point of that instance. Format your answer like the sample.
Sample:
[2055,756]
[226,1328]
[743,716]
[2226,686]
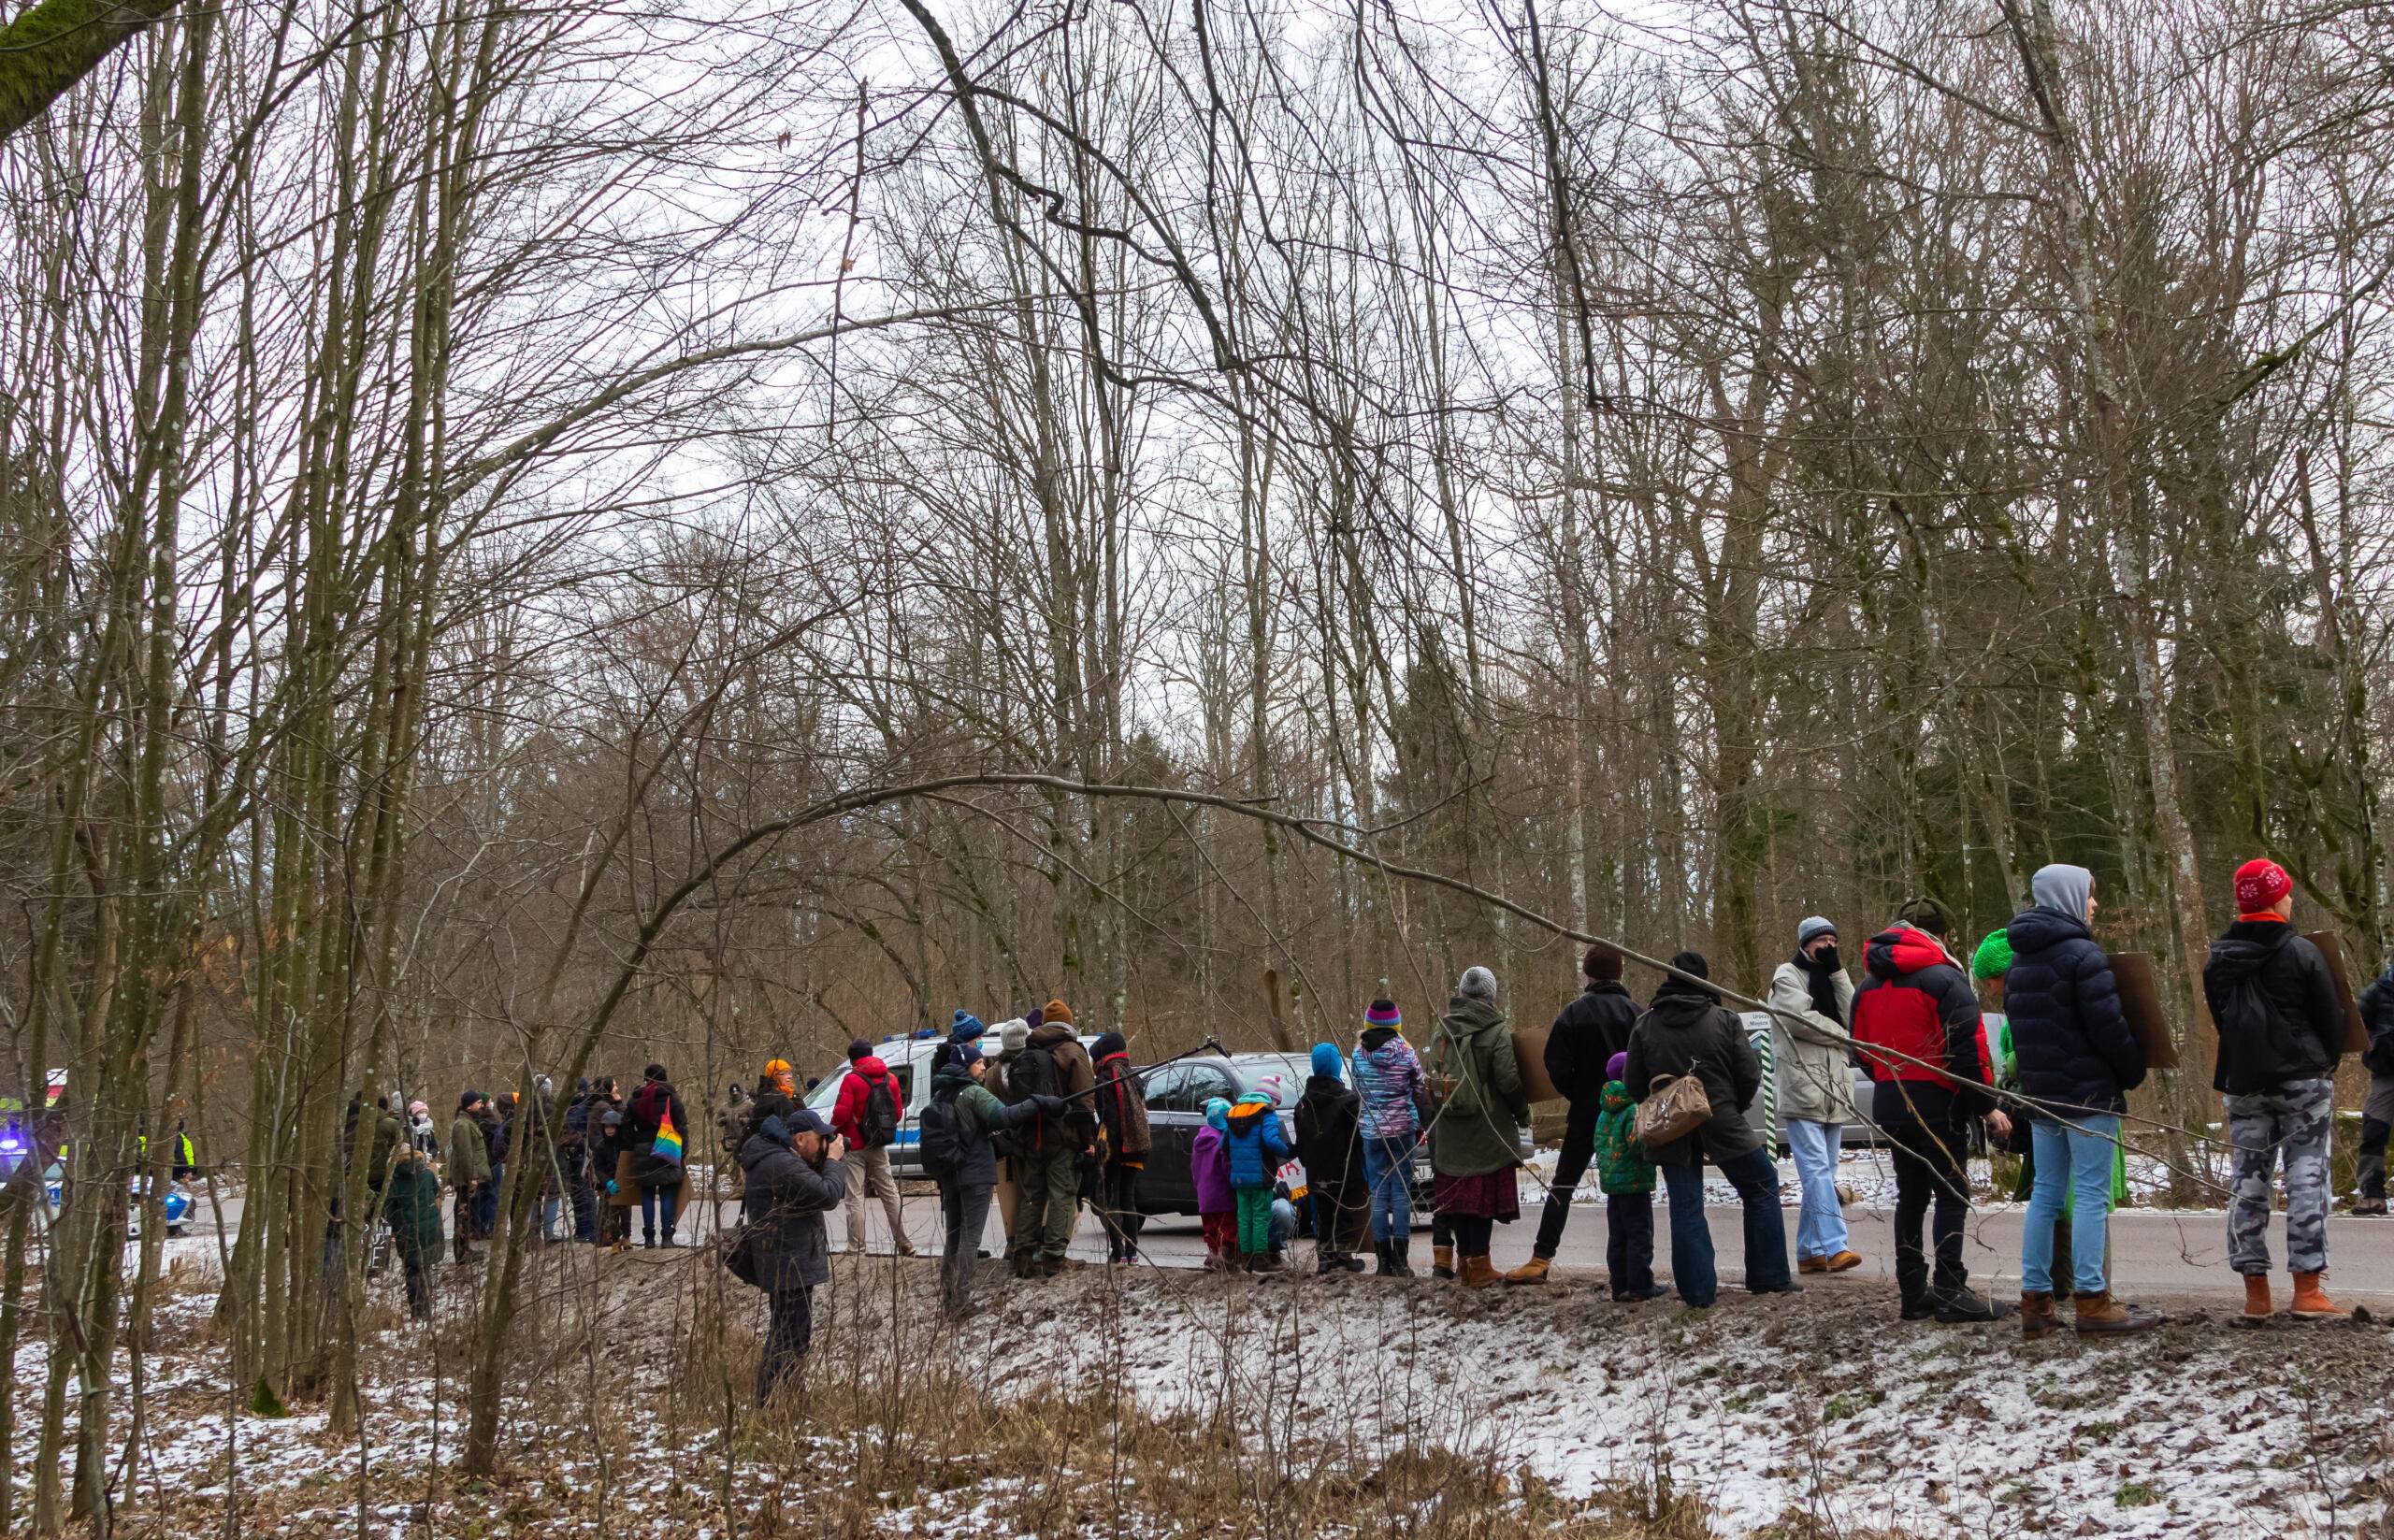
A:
[1826,959]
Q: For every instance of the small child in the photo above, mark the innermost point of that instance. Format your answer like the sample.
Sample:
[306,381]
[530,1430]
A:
[1257,1150]
[1209,1166]
[1627,1178]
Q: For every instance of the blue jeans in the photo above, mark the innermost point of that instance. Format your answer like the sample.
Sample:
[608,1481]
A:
[1820,1230]
[486,1202]
[653,1201]
[2076,1159]
[1388,1166]
[1756,1180]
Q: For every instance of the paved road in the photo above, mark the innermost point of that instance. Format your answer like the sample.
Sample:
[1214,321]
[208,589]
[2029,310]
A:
[2179,1257]
[2166,1255]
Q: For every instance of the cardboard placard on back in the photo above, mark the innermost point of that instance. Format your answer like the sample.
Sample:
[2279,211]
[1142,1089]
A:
[1529,1052]
[2331,951]
[2140,1002]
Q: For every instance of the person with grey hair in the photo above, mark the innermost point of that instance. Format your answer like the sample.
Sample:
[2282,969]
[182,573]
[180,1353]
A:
[2078,1060]
[1474,1144]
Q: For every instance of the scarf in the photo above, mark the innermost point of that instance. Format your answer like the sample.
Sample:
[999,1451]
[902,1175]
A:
[1824,988]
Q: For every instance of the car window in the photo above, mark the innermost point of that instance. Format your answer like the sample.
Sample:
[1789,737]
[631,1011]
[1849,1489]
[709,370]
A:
[822,1096]
[904,1073]
[1208,1081]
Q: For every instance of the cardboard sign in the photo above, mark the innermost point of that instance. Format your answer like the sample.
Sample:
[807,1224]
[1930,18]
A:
[1529,1052]
[2140,1002]
[2331,951]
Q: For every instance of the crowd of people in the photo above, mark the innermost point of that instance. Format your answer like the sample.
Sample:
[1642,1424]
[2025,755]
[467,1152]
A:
[2026,1048]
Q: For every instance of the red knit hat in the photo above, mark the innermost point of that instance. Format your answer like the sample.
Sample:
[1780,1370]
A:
[2261,883]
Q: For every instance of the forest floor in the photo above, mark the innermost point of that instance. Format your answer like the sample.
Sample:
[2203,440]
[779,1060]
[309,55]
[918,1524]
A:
[1141,1402]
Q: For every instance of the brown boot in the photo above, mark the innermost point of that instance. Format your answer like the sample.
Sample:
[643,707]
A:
[1479,1273]
[2311,1301]
[2257,1306]
[1442,1262]
[2099,1315]
[2038,1317]
[1530,1272]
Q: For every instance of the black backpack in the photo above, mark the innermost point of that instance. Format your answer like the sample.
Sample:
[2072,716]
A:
[877,1119]
[943,1138]
[1033,1073]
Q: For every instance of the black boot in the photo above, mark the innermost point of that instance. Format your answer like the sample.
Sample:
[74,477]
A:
[1324,1262]
[1401,1250]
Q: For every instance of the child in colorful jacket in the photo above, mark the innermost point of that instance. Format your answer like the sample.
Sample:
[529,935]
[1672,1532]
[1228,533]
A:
[1627,1178]
[1209,1167]
[1257,1148]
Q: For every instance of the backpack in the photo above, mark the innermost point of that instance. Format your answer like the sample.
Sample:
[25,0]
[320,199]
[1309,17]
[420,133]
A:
[1033,1073]
[942,1149]
[877,1119]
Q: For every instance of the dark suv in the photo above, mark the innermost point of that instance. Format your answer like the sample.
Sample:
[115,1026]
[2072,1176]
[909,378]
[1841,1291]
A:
[1176,1095]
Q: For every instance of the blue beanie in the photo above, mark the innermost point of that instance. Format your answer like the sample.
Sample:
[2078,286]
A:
[966,1027]
[1326,1059]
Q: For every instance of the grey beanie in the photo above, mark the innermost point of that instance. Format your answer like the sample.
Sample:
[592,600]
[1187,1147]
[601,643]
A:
[1478,983]
[1810,927]
[1013,1036]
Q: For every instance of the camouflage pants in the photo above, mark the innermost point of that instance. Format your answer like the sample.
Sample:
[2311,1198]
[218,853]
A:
[2292,1119]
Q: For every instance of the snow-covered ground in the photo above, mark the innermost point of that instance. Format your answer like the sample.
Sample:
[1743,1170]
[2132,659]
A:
[1814,1414]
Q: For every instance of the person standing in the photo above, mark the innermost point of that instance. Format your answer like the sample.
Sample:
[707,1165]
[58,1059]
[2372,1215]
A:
[1917,1019]
[1686,1031]
[1256,1149]
[1476,1146]
[1122,1114]
[1811,1003]
[469,1171]
[1627,1179]
[865,1115]
[1052,1063]
[1586,1034]
[653,1125]
[1329,1118]
[1388,1081]
[412,1203]
[957,1127]
[795,1175]
[2377,1112]
[1013,1152]
[2078,1061]
[2281,1034]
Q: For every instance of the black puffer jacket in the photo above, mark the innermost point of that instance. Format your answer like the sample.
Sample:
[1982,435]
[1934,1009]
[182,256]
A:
[2067,1033]
[784,1199]
[1687,1032]
[2275,1007]
[1587,1033]
[1326,1121]
[2377,1015]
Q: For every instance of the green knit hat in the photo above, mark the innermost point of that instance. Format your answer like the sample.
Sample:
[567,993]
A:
[1994,958]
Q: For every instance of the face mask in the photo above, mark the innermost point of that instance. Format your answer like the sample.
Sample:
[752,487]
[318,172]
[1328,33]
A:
[1825,958]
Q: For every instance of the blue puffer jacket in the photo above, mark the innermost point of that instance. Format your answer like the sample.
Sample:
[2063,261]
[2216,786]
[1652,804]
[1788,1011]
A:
[2071,1040]
[1257,1147]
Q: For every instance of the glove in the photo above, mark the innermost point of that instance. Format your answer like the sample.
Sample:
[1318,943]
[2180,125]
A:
[1050,1106]
[610,1186]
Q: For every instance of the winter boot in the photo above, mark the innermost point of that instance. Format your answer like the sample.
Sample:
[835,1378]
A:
[1350,1262]
[1023,1264]
[2257,1306]
[2369,1208]
[1479,1273]
[1403,1251]
[2038,1317]
[1326,1262]
[1530,1272]
[1442,1262]
[1268,1261]
[1843,1261]
[2099,1315]
[1965,1305]
[2311,1301]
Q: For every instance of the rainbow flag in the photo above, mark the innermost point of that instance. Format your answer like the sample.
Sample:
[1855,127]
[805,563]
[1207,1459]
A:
[668,1145]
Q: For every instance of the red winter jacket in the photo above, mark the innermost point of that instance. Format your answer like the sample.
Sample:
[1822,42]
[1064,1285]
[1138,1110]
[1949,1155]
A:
[862,1076]
[1917,1004]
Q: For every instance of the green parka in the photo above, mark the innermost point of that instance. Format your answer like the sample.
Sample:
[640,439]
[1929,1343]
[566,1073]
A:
[1479,1129]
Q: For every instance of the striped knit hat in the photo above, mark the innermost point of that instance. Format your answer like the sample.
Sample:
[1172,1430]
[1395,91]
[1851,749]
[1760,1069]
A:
[1383,1013]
